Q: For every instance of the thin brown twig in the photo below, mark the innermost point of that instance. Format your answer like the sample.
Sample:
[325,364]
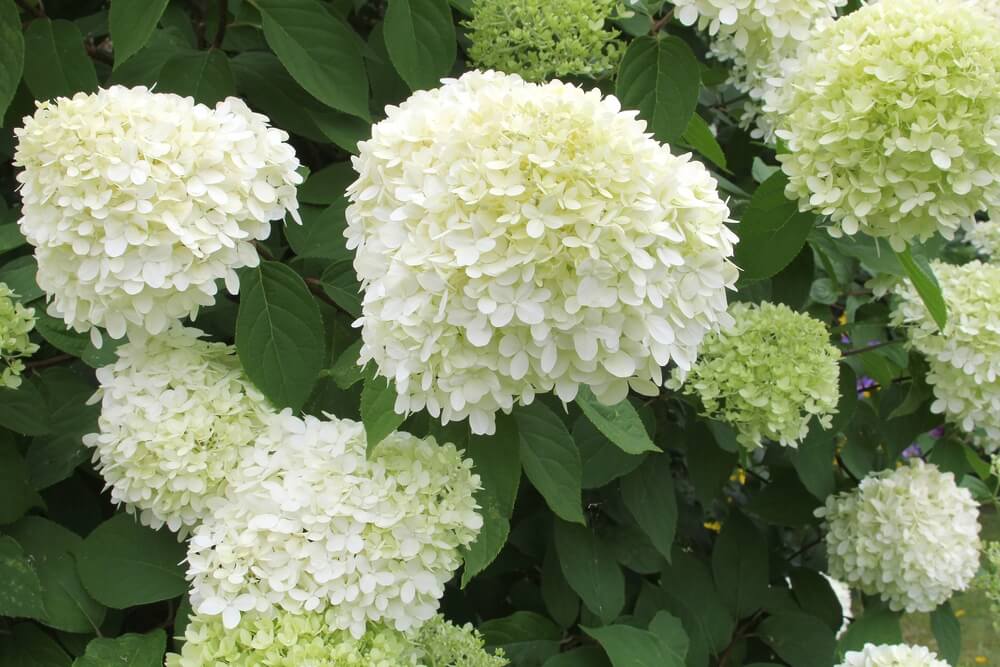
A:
[805,548]
[45,363]
[862,350]
[220,31]
[316,287]
[662,21]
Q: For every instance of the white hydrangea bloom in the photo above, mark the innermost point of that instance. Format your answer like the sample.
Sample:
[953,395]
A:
[756,37]
[910,535]
[310,522]
[514,238]
[894,655]
[177,417]
[138,203]
[972,406]
[843,593]
[985,237]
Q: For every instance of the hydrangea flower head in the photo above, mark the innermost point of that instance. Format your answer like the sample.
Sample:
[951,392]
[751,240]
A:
[138,203]
[985,238]
[910,536]
[16,322]
[283,639]
[892,119]
[310,522]
[515,238]
[540,39]
[177,417]
[892,655]
[767,375]
[755,37]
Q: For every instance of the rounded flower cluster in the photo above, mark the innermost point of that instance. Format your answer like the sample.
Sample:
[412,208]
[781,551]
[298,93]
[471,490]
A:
[895,655]
[910,535]
[892,119]
[138,203]
[985,238]
[177,417]
[767,375]
[965,357]
[756,36]
[16,322]
[515,238]
[541,39]
[282,639]
[310,522]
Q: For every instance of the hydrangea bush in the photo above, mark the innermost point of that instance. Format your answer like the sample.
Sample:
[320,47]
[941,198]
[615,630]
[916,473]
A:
[466,333]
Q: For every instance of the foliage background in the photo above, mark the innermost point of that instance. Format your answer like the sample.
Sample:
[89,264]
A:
[597,546]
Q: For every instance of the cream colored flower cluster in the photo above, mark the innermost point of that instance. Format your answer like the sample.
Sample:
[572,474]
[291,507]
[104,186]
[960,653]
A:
[965,357]
[177,417]
[985,238]
[891,118]
[311,523]
[910,536]
[139,203]
[514,239]
[756,37]
[892,655]
[283,639]
[16,322]
[767,375]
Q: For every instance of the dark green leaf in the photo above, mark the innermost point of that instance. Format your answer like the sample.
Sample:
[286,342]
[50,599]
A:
[11,53]
[551,460]
[813,460]
[324,187]
[17,495]
[321,233]
[279,334]
[620,423]
[58,66]
[77,344]
[489,542]
[131,650]
[875,626]
[346,372]
[648,493]
[203,75]
[340,283]
[800,640]
[602,461]
[52,458]
[922,276]
[739,563]
[19,275]
[527,638]
[145,66]
[784,502]
[816,596]
[27,645]
[699,136]
[10,234]
[132,23]
[20,589]
[947,632]
[661,78]
[693,597]
[498,463]
[378,399]
[591,569]
[342,129]
[123,564]
[633,647]
[584,656]
[420,38]
[772,230]
[562,603]
[670,631]
[708,465]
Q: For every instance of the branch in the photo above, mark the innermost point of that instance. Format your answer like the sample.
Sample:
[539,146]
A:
[220,31]
[45,363]
[662,21]
[862,350]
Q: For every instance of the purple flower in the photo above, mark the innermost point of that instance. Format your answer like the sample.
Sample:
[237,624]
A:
[937,432]
[864,386]
[845,339]
[912,451]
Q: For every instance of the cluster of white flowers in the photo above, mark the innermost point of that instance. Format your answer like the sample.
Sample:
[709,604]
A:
[16,323]
[756,37]
[515,238]
[892,655]
[910,535]
[138,203]
[985,237]
[892,119]
[177,417]
[310,522]
[964,358]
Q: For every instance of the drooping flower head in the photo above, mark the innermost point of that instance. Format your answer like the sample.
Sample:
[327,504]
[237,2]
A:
[910,536]
[138,203]
[515,238]
[892,119]
[283,639]
[177,417]
[310,522]
[755,37]
[965,357]
[892,655]
[767,375]
[540,39]
[16,322]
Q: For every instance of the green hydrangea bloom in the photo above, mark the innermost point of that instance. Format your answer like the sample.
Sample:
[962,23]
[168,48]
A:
[283,639]
[767,375]
[16,322]
[891,116]
[541,39]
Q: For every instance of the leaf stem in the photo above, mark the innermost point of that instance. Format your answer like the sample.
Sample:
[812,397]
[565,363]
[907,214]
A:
[662,21]
[45,363]
[220,31]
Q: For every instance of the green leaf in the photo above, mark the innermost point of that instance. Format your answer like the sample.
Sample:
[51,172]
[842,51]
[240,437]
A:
[772,230]
[10,234]
[131,650]
[27,645]
[132,23]
[420,38]
[784,502]
[378,400]
[633,647]
[346,372]
[280,336]
[709,466]
[77,344]
[875,626]
[800,640]
[699,136]
[813,461]
[23,410]
[602,461]
[145,66]
[489,542]
[52,458]
[498,463]
[123,564]
[551,460]
[20,589]
[670,631]
[561,601]
[584,656]
[591,569]
[815,595]
[740,567]
[527,638]
[17,495]
[58,66]
[19,275]
[342,129]
[922,277]
[203,75]
[11,54]
[325,186]
[947,632]
[693,597]
[321,233]
[320,51]
[661,78]
[620,423]
[648,493]
[340,283]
